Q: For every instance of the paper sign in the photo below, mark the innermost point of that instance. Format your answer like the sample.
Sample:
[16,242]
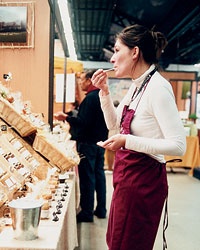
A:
[70,88]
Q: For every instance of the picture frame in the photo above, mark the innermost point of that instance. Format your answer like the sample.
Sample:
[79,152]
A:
[17,24]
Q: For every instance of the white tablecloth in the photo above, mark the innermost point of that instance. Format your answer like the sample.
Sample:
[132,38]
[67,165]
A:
[60,235]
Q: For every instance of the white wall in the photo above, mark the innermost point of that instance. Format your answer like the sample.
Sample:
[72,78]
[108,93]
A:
[177,67]
[172,67]
[96,65]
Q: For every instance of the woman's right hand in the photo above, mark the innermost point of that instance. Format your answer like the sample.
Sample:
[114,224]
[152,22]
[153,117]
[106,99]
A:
[99,80]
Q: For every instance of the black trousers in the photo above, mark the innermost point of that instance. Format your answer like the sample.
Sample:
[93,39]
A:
[92,178]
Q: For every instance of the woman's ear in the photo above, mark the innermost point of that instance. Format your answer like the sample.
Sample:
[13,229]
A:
[135,52]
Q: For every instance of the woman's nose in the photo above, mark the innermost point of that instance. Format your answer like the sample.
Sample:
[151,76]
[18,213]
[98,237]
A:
[112,59]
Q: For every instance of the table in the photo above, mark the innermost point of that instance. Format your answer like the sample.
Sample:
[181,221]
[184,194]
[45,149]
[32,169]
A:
[60,235]
[191,158]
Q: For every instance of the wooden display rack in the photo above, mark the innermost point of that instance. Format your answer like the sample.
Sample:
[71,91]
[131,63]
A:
[18,163]
[55,156]
[18,121]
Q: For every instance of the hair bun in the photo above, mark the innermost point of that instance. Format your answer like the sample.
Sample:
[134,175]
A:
[160,42]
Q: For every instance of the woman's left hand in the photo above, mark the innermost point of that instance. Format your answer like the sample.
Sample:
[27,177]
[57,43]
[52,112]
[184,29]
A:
[114,143]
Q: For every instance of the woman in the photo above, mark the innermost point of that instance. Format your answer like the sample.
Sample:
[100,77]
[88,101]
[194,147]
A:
[150,127]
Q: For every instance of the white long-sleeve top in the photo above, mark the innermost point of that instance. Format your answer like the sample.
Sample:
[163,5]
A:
[156,129]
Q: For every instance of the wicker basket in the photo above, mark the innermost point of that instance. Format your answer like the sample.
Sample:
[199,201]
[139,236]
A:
[54,155]
[14,119]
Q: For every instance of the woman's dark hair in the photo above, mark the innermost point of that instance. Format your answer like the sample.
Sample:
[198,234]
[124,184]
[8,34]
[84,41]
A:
[151,43]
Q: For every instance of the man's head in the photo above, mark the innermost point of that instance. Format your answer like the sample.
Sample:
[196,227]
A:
[85,79]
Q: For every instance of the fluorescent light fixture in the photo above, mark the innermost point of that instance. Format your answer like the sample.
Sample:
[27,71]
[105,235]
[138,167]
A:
[197,65]
[64,12]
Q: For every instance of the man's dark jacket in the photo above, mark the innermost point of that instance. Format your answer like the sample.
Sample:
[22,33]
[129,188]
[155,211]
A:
[89,125]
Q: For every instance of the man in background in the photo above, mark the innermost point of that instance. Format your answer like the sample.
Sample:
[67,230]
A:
[89,127]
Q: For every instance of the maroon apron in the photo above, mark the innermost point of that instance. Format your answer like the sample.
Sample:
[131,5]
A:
[140,191]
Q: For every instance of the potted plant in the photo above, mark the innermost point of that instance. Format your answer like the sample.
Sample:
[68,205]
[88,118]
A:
[193,117]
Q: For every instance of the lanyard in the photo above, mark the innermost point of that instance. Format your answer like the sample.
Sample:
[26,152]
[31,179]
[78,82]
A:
[146,80]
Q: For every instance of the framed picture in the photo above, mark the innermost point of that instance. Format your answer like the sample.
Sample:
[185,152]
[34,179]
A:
[16,25]
[118,87]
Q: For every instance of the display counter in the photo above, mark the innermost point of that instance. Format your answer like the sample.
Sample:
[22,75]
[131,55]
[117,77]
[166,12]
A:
[191,158]
[33,159]
[52,235]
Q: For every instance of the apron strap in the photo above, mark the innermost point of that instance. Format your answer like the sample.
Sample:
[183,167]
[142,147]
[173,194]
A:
[165,224]
[174,160]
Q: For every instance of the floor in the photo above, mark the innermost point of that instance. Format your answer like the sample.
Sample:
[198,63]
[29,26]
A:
[183,232]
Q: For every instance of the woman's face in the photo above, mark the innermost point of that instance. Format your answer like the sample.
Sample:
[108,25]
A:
[123,60]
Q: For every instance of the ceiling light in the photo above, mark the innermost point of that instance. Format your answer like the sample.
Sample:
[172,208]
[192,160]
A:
[64,12]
